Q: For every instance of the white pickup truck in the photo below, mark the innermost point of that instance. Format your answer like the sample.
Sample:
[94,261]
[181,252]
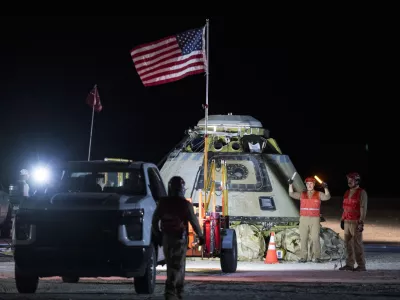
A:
[94,221]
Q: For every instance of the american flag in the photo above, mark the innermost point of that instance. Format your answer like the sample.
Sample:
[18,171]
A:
[171,58]
[93,99]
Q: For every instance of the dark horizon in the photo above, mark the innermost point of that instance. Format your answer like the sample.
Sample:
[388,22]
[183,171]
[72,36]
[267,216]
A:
[48,71]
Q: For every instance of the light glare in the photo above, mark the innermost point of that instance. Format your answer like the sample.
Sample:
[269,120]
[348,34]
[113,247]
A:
[41,175]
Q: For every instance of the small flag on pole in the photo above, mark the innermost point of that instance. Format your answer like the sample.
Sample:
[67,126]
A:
[93,100]
[171,58]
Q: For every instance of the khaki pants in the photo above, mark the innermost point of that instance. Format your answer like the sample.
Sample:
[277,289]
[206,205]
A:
[175,258]
[354,244]
[310,226]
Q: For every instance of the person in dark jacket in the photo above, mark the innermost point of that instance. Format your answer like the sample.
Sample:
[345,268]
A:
[174,213]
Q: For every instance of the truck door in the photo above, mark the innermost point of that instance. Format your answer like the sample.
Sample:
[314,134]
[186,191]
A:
[156,185]
[157,190]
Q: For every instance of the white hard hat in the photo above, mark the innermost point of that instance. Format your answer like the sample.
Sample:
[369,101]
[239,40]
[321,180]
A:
[24,172]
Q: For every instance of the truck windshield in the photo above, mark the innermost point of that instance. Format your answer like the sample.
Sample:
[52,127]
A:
[99,181]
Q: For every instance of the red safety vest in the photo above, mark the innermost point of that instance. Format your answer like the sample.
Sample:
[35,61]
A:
[310,207]
[351,205]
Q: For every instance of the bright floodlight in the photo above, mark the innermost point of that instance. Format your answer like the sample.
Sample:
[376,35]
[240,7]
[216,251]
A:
[41,175]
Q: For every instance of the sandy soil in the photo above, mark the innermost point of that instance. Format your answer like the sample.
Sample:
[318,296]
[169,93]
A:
[382,224]
[378,264]
[208,290]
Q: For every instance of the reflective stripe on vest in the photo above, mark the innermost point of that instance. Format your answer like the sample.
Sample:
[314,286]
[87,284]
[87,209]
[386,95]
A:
[352,205]
[310,207]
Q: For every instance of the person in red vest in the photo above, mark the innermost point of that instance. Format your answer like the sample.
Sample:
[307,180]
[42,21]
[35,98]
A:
[310,204]
[354,212]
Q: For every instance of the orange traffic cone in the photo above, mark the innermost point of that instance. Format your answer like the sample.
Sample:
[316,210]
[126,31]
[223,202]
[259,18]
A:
[271,257]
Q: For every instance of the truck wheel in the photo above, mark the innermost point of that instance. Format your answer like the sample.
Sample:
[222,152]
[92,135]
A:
[146,284]
[70,279]
[26,284]
[229,257]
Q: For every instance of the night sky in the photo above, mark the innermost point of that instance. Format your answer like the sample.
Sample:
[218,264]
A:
[49,67]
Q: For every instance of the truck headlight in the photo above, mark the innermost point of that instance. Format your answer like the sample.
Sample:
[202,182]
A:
[41,175]
[23,224]
[133,222]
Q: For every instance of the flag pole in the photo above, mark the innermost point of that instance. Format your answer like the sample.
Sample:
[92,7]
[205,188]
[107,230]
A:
[91,127]
[206,112]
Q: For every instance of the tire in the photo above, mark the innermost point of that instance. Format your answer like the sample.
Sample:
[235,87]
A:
[146,284]
[229,257]
[26,284]
[70,279]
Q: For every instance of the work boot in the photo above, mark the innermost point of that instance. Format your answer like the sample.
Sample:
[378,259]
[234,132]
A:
[360,269]
[179,293]
[302,260]
[170,292]
[346,268]
[170,296]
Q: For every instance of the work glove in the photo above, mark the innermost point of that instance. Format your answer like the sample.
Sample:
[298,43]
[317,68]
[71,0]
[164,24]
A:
[324,185]
[290,181]
[342,224]
[201,240]
[360,226]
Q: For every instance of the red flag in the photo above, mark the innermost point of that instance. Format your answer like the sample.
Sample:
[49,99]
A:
[171,58]
[93,100]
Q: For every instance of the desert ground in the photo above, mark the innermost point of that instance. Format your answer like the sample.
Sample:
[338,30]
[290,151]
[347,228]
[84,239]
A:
[382,224]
